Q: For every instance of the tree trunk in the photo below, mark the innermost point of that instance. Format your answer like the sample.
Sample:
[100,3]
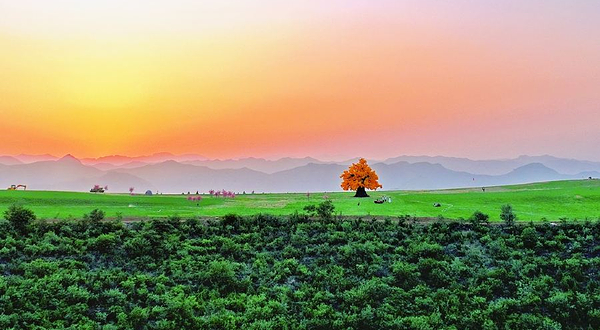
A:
[361,192]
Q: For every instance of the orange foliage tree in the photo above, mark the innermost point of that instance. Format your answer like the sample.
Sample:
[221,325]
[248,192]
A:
[359,176]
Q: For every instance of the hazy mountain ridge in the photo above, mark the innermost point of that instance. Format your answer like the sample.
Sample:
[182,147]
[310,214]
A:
[154,158]
[9,160]
[109,166]
[34,158]
[481,167]
[258,164]
[69,173]
[49,174]
[502,166]
[171,176]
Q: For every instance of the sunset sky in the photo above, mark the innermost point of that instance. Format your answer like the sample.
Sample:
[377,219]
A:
[230,79]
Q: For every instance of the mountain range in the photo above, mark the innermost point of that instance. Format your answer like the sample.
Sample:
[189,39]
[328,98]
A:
[182,173]
[502,166]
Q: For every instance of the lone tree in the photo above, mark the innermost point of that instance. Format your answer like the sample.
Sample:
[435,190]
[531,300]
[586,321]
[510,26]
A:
[508,215]
[359,176]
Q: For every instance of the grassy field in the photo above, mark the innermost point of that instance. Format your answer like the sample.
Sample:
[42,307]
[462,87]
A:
[550,200]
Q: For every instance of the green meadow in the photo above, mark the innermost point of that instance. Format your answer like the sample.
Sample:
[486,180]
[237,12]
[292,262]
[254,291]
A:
[531,202]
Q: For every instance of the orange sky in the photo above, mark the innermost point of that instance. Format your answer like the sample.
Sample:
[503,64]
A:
[298,78]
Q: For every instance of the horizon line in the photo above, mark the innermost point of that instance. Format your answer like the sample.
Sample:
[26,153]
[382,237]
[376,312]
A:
[323,158]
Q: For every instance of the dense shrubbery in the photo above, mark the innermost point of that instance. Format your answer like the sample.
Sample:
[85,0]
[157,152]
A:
[297,272]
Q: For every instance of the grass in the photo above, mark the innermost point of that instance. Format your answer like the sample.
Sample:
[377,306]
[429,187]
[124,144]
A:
[551,200]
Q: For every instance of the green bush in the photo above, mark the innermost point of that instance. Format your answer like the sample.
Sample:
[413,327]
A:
[324,210]
[230,220]
[94,216]
[529,236]
[478,218]
[105,242]
[19,217]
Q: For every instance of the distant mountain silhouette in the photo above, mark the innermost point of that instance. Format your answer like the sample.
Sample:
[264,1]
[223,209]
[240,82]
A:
[116,182]
[403,175]
[257,164]
[69,159]
[311,177]
[9,160]
[173,177]
[420,176]
[154,158]
[562,165]
[502,166]
[108,166]
[49,175]
[533,172]
[69,173]
[35,158]
[483,167]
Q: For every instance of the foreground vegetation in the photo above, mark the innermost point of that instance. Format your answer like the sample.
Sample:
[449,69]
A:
[275,272]
[533,202]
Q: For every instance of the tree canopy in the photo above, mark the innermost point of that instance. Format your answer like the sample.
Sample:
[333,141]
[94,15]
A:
[360,176]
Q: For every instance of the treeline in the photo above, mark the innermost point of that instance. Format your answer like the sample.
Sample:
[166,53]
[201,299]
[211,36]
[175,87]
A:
[296,272]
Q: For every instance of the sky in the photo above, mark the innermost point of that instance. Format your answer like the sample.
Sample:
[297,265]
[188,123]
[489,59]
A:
[329,79]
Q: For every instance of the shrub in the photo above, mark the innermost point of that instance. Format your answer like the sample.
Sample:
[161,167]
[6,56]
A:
[104,243]
[508,215]
[165,225]
[529,237]
[324,210]
[19,217]
[230,219]
[479,217]
[95,216]
[406,274]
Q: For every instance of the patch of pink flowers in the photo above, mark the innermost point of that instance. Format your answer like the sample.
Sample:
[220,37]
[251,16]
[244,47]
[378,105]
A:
[224,193]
